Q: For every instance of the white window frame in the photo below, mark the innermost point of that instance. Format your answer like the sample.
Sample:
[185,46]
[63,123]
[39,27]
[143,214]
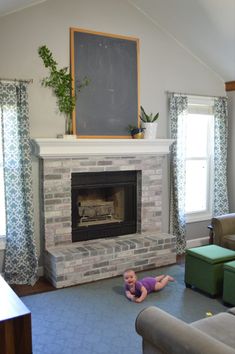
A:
[204,105]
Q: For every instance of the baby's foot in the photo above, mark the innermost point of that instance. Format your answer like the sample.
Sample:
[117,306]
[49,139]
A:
[171,278]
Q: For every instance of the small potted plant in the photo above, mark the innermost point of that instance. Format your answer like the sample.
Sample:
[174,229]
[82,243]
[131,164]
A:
[149,123]
[136,132]
[60,80]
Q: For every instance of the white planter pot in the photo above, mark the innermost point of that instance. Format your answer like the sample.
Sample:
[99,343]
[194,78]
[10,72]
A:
[69,136]
[150,131]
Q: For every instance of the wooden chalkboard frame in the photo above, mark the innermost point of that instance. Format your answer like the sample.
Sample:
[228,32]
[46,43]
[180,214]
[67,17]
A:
[134,110]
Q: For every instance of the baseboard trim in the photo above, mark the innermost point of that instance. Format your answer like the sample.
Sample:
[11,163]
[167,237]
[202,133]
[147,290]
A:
[197,242]
[40,272]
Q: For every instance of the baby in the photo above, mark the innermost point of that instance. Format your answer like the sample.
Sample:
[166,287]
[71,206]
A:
[137,290]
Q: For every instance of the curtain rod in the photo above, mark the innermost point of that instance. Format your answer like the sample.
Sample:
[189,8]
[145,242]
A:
[192,94]
[29,81]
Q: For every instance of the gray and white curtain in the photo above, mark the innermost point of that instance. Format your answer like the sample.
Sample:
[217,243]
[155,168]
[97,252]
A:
[220,205]
[178,113]
[20,261]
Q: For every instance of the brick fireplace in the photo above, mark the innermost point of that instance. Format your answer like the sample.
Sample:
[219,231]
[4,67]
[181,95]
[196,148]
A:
[68,263]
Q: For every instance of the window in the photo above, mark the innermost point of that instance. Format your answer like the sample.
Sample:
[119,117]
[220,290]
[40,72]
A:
[199,153]
[2,193]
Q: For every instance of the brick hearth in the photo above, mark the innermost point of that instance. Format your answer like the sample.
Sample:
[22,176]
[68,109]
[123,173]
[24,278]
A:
[87,261]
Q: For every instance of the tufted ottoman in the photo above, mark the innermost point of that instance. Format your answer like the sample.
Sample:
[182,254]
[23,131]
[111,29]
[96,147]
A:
[229,283]
[204,267]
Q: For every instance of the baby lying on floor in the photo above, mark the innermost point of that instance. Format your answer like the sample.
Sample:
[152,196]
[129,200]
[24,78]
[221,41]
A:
[137,290]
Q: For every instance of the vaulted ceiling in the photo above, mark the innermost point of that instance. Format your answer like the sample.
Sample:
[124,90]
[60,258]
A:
[205,28]
[10,6]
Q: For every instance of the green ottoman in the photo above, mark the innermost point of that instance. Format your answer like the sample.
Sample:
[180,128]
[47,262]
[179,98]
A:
[229,283]
[204,267]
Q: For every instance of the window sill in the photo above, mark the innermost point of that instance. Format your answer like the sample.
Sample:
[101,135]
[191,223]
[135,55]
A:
[198,218]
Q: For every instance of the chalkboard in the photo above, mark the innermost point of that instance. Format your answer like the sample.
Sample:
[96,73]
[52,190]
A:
[109,103]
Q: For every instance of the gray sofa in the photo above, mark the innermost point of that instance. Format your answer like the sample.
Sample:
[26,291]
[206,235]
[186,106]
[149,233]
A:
[163,333]
[223,228]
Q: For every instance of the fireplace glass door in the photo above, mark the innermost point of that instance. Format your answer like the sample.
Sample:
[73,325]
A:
[103,204]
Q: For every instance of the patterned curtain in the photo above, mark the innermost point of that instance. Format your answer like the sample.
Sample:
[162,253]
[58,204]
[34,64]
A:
[220,206]
[178,111]
[20,261]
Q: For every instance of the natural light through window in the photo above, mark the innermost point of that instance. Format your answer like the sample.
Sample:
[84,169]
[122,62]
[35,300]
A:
[2,193]
[199,149]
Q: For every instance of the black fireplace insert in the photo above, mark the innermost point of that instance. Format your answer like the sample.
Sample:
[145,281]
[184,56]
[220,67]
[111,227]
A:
[104,204]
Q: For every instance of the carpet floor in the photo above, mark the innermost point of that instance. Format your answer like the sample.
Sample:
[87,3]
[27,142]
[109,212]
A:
[96,318]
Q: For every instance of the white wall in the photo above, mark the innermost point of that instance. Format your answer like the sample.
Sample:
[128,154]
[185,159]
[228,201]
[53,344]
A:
[164,65]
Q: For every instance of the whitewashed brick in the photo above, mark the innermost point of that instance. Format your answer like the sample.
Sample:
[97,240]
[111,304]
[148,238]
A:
[80,270]
[64,264]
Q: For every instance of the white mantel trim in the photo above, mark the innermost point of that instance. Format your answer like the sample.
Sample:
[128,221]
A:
[61,148]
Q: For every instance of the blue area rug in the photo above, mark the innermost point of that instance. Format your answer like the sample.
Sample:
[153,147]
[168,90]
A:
[96,318]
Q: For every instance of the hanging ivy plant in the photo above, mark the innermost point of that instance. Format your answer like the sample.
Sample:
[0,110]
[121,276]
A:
[60,80]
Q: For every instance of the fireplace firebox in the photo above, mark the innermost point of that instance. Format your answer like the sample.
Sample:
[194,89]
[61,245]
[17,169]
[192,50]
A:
[104,204]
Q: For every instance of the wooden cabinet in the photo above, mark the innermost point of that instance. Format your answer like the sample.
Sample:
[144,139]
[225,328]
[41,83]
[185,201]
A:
[15,323]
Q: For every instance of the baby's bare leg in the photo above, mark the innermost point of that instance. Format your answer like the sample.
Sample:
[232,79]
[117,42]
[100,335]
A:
[160,277]
[163,282]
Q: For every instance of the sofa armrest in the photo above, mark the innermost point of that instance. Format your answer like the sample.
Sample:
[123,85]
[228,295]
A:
[231,310]
[223,225]
[173,336]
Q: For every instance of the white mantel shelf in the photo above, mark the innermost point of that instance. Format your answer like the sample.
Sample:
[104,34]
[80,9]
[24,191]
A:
[62,148]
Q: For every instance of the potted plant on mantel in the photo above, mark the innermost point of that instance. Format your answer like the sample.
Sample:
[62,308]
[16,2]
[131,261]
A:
[136,132]
[149,123]
[60,80]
